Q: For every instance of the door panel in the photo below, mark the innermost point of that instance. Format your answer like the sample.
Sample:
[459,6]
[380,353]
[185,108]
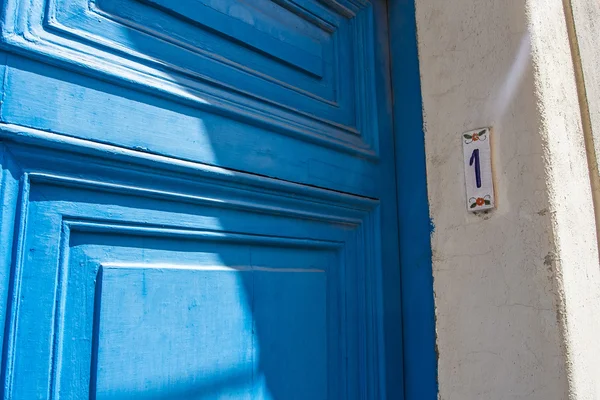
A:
[200,199]
[141,292]
[239,93]
[297,55]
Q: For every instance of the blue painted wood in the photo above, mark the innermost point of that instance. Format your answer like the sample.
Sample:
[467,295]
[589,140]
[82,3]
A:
[155,56]
[415,227]
[174,130]
[198,204]
[185,273]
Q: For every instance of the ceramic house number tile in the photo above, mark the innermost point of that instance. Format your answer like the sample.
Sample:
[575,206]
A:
[478,169]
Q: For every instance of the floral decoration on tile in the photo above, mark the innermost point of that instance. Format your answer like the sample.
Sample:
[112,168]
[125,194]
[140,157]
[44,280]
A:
[473,137]
[480,201]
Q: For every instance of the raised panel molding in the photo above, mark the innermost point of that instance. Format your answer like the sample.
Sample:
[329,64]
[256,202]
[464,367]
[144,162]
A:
[312,78]
[106,382]
[49,203]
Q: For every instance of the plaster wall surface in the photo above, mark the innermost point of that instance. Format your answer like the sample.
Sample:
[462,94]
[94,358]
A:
[510,285]
[582,280]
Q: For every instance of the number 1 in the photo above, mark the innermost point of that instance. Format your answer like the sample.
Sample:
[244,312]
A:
[475,157]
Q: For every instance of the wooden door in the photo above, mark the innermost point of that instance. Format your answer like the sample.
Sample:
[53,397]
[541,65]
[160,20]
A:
[199,200]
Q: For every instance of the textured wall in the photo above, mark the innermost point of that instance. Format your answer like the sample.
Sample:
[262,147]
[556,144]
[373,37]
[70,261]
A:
[506,281]
[582,276]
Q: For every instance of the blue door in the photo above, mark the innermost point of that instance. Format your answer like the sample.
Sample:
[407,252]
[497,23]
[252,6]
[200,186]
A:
[199,201]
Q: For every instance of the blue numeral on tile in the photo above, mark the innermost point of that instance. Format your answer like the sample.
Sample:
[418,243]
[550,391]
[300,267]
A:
[475,157]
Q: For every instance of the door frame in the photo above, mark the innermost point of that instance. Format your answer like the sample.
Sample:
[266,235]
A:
[414,224]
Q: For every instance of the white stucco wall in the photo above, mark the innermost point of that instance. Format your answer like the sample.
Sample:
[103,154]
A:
[582,283]
[514,287]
